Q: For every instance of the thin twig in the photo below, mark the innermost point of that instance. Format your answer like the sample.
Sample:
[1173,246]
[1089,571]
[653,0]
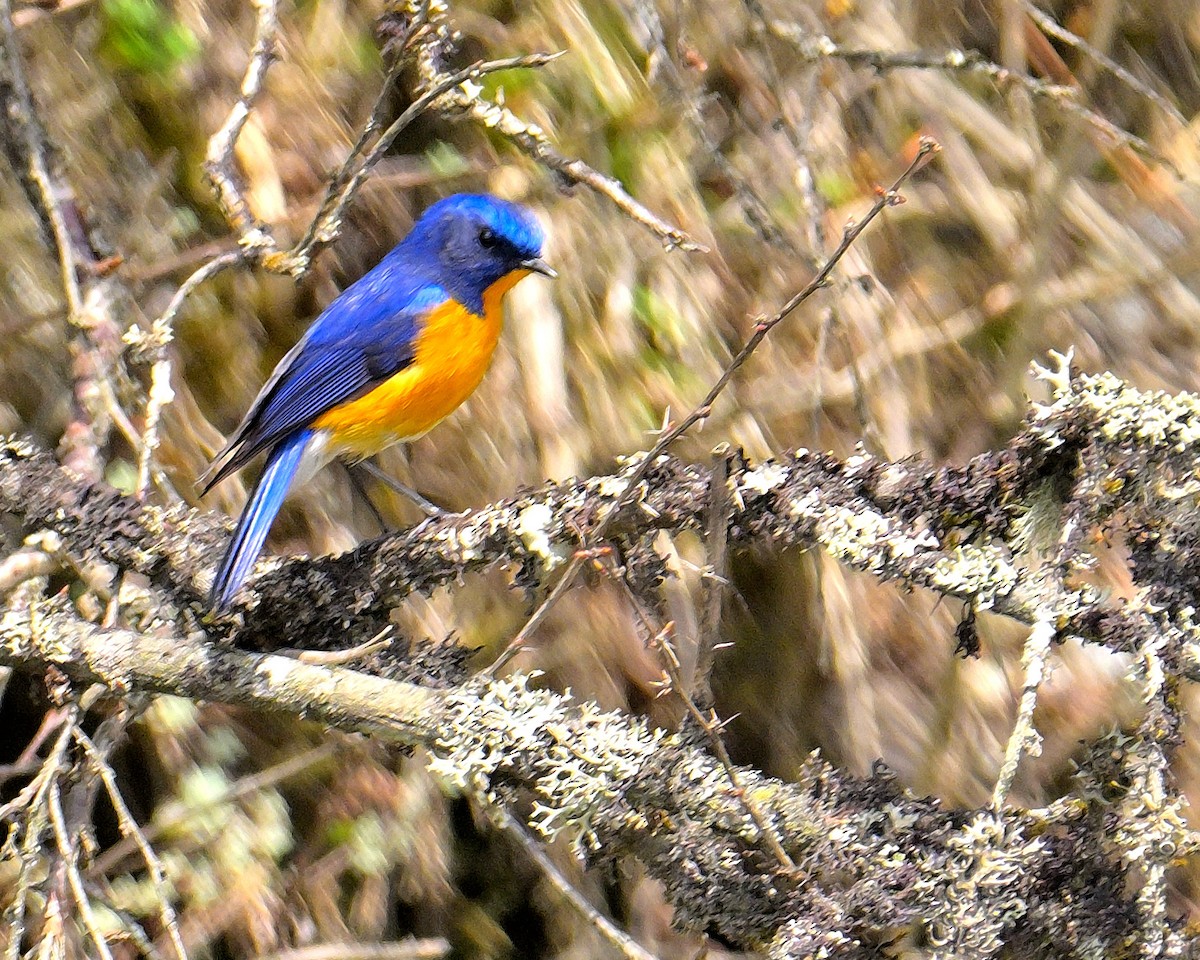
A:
[205,272]
[32,802]
[814,48]
[885,198]
[720,507]
[27,142]
[711,725]
[659,638]
[531,140]
[90,302]
[1024,738]
[623,942]
[156,341]
[131,831]
[799,136]
[69,852]
[219,159]
[620,940]
[325,225]
[1051,27]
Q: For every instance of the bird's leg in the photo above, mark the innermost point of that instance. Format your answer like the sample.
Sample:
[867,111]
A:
[427,507]
[356,482]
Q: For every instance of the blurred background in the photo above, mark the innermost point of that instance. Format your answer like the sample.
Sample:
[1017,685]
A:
[1050,219]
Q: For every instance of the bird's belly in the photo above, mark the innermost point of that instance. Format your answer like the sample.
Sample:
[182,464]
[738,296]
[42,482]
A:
[453,352]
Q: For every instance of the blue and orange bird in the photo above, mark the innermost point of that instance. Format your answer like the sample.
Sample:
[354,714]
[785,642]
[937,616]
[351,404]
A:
[393,355]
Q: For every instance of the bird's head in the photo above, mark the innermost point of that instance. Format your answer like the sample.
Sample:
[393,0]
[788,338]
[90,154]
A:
[472,241]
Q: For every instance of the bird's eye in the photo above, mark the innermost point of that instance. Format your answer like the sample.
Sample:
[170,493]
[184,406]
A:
[487,238]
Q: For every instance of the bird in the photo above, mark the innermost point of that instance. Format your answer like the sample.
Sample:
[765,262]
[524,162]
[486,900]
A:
[394,354]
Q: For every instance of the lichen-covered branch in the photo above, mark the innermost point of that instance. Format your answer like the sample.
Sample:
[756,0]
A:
[875,867]
[1100,452]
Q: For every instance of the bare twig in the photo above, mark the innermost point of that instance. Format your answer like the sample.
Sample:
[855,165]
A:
[219,160]
[799,135]
[68,851]
[133,833]
[205,272]
[156,342]
[90,302]
[660,639]
[702,410]
[530,139]
[29,152]
[621,941]
[813,48]
[711,725]
[25,838]
[720,508]
[1051,27]
[343,188]
[1025,738]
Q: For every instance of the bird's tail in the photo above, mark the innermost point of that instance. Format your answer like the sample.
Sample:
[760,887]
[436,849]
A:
[257,516]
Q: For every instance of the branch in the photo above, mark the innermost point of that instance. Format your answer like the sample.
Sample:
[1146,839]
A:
[638,472]
[219,160]
[90,304]
[33,160]
[345,185]
[465,100]
[871,859]
[972,531]
[815,48]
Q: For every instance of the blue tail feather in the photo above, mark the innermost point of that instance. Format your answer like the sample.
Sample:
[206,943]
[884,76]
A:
[256,518]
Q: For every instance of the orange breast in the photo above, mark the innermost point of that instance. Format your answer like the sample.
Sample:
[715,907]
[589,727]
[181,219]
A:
[453,351]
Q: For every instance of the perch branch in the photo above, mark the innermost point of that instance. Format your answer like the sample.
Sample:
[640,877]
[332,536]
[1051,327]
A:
[960,531]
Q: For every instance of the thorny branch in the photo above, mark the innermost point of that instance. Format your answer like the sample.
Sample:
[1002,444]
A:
[618,938]
[675,682]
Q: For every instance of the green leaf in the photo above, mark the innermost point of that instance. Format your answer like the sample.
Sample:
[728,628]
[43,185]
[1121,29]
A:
[144,37]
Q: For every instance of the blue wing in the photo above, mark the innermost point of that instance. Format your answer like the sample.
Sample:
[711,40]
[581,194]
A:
[364,337]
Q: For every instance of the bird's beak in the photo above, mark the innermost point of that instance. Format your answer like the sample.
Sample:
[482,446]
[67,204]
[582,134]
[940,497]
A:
[538,265]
